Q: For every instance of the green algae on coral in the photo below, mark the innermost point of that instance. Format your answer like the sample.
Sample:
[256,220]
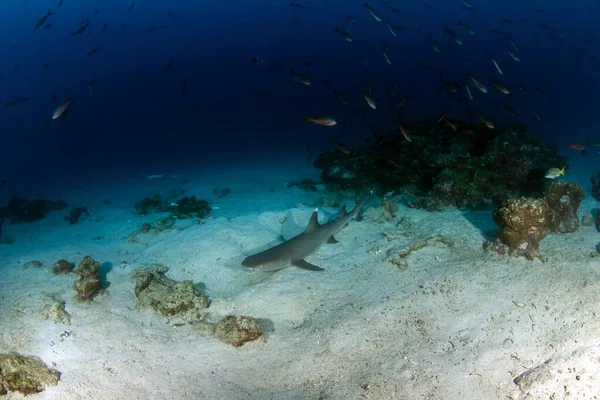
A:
[25,374]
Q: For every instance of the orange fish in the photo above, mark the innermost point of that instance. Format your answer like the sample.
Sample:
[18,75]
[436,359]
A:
[60,110]
[485,121]
[325,121]
[452,125]
[499,86]
[479,85]
[576,146]
[403,131]
[341,147]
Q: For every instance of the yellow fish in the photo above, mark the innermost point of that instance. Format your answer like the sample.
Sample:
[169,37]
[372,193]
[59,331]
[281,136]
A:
[554,173]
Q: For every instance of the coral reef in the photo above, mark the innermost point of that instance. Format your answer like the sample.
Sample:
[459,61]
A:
[522,223]
[62,266]
[237,330]
[468,168]
[25,375]
[77,214]
[596,186]
[179,302]
[563,201]
[22,210]
[88,282]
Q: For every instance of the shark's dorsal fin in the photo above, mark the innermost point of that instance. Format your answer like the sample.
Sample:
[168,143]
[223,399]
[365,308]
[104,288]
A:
[343,212]
[313,224]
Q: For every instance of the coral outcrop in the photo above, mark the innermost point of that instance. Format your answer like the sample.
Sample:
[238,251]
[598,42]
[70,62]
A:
[26,375]
[563,201]
[178,302]
[237,330]
[88,283]
[23,210]
[522,224]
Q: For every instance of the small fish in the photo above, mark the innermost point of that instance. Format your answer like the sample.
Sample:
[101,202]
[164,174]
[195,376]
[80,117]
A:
[340,146]
[479,85]
[536,115]
[48,26]
[171,14]
[403,132]
[297,5]
[170,66]
[42,20]
[94,51]
[450,86]
[157,176]
[394,29]
[373,12]
[497,67]
[455,36]
[350,18]
[344,34]
[60,110]
[576,146]
[499,86]
[467,27]
[385,55]
[434,44]
[131,6]
[59,3]
[299,77]
[257,60]
[369,100]
[104,27]
[508,21]
[467,4]
[485,121]
[554,173]
[469,92]
[81,29]
[15,101]
[325,120]
[509,110]
[513,55]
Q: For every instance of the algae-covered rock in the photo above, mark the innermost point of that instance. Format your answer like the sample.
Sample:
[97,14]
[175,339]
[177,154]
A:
[33,264]
[522,223]
[189,207]
[178,302]
[25,375]
[88,282]
[237,330]
[563,201]
[57,312]
[149,205]
[62,266]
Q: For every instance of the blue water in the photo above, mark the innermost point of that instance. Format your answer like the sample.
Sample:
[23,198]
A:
[136,118]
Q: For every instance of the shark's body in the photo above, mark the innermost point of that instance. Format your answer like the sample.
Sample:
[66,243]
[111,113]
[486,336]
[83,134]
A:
[294,251]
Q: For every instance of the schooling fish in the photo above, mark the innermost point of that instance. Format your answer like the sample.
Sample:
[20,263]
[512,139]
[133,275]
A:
[455,36]
[60,110]
[369,100]
[294,251]
[485,121]
[373,12]
[325,120]
[301,78]
[42,20]
[344,34]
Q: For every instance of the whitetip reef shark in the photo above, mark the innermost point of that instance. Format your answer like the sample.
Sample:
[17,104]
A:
[294,251]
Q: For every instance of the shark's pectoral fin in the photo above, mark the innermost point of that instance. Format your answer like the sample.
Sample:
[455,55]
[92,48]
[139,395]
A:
[332,240]
[303,264]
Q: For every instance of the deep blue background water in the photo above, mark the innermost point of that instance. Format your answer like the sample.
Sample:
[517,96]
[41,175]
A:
[136,119]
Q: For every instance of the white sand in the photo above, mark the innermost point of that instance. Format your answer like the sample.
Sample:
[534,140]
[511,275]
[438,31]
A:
[458,323]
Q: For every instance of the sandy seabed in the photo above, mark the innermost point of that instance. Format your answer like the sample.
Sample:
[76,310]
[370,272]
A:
[454,322]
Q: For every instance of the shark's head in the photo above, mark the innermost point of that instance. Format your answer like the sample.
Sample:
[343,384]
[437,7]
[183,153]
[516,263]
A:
[259,261]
